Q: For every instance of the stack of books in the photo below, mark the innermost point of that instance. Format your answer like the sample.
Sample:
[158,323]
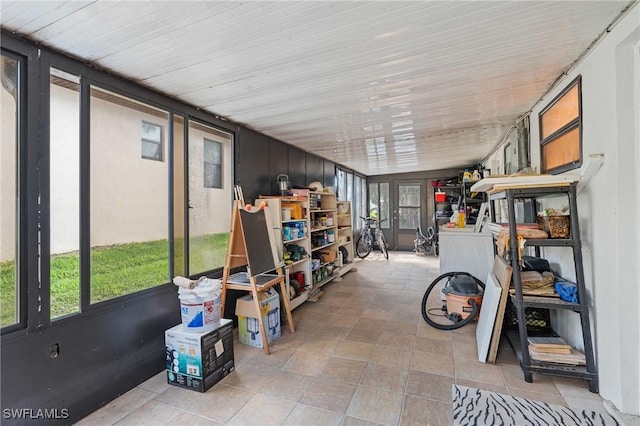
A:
[554,349]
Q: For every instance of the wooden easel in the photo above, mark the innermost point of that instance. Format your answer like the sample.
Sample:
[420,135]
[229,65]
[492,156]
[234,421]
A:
[250,245]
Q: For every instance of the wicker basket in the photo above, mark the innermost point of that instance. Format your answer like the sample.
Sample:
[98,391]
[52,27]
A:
[555,226]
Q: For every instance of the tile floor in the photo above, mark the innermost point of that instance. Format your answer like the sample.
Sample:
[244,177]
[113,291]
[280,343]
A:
[361,355]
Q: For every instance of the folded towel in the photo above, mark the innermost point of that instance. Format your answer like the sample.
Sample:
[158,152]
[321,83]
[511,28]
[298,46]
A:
[567,290]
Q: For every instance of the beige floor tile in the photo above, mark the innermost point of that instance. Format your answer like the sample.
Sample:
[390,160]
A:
[287,385]
[344,370]
[343,320]
[157,383]
[375,313]
[321,345]
[555,399]
[332,332]
[184,418]
[264,410]
[386,378]
[151,413]
[250,376]
[119,408]
[434,346]
[309,363]
[425,412]
[588,404]
[390,356]
[376,405]
[485,386]
[430,386]
[514,379]
[465,350]
[432,363]
[329,394]
[475,370]
[425,330]
[371,323]
[290,340]
[243,353]
[575,388]
[397,339]
[354,350]
[364,334]
[352,421]
[307,415]
[222,402]
[277,357]
[185,399]
[401,327]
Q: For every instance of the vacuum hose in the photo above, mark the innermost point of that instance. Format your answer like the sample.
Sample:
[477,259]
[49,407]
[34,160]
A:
[470,301]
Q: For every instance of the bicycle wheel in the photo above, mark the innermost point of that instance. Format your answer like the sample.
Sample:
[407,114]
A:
[382,245]
[364,245]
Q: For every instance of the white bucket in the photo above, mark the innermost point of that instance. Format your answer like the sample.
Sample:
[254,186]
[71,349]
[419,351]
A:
[200,307]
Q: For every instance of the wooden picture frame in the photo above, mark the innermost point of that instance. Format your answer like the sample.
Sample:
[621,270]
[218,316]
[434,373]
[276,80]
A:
[561,130]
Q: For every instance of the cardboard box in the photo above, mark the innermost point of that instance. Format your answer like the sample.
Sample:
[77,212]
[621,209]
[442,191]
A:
[328,256]
[248,325]
[198,361]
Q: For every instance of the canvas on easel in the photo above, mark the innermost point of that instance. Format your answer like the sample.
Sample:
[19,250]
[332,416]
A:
[250,245]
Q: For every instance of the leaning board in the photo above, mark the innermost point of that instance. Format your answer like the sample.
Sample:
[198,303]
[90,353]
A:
[502,272]
[484,329]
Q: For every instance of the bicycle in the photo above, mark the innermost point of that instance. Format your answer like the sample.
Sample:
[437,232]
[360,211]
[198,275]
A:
[425,244]
[364,245]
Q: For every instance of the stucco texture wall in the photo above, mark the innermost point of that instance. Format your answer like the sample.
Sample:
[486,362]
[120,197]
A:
[8,169]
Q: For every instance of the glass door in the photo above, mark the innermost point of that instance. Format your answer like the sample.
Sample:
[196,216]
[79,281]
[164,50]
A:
[409,211]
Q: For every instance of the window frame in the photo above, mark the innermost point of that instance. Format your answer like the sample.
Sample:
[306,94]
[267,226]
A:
[564,129]
[219,166]
[25,262]
[160,143]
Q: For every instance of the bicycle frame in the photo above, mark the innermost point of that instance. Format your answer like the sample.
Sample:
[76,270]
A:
[367,238]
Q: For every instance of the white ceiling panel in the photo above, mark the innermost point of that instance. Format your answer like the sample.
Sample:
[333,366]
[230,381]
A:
[380,87]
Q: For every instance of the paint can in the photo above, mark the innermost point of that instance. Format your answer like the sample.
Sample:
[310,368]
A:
[200,307]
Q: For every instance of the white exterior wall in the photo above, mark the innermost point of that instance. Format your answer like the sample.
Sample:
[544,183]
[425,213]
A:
[129,194]
[8,163]
[608,207]
[65,170]
[210,209]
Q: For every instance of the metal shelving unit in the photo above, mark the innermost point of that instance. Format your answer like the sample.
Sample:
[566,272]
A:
[519,340]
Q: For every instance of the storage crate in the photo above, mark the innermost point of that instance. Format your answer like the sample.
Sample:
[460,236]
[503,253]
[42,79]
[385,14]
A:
[538,320]
[555,226]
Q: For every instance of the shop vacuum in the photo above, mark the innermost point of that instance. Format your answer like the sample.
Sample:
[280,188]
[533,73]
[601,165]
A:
[463,297]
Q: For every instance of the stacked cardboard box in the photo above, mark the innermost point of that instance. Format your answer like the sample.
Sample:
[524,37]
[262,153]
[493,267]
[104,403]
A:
[199,360]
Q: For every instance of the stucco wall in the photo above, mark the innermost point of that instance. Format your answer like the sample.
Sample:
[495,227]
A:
[608,206]
[8,164]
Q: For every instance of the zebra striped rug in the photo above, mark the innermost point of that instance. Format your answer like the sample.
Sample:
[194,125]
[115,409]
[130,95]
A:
[480,407]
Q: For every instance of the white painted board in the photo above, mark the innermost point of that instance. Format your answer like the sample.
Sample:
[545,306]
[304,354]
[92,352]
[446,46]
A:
[488,311]
[487,184]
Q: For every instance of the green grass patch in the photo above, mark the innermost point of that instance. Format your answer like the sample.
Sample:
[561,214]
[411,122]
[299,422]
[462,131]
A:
[115,271]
